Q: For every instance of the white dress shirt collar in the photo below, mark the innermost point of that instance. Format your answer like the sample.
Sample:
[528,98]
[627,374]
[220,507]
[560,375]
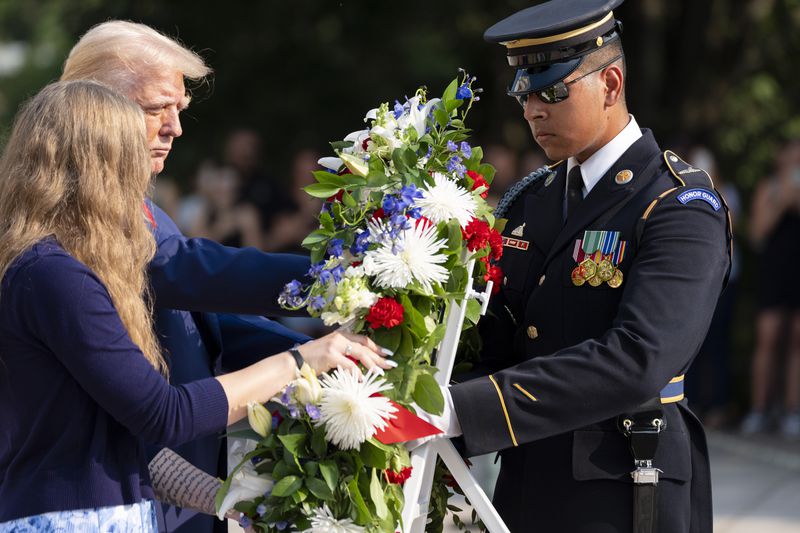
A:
[599,162]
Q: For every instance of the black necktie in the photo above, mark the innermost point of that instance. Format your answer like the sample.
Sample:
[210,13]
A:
[574,190]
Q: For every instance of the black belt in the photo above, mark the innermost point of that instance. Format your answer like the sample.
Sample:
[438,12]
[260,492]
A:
[642,428]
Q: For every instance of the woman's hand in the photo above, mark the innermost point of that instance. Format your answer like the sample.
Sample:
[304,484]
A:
[340,349]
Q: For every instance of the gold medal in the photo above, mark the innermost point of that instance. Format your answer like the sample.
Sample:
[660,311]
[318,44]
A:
[616,279]
[595,281]
[589,268]
[605,270]
[578,277]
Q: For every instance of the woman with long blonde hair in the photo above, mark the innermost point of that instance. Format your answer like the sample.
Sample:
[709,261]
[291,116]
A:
[82,384]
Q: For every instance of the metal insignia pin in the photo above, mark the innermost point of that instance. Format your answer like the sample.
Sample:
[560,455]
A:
[623,177]
[549,179]
[673,159]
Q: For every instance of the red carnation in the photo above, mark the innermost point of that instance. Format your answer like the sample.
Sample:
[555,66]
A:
[365,143]
[426,223]
[476,234]
[496,242]
[386,312]
[379,213]
[477,181]
[495,274]
[398,478]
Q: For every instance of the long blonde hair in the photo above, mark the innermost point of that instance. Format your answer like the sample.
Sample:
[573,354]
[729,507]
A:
[77,167]
[119,53]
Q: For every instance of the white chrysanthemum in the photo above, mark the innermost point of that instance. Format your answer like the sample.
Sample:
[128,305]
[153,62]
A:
[323,521]
[445,200]
[348,409]
[417,259]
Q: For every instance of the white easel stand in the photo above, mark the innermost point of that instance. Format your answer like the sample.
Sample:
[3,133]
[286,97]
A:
[417,489]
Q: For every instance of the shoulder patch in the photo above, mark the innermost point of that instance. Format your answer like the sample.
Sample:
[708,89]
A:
[700,194]
[685,173]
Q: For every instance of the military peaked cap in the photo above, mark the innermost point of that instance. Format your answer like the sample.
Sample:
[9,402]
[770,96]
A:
[547,42]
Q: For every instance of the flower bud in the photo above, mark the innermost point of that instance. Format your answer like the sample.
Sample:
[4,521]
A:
[308,389]
[259,418]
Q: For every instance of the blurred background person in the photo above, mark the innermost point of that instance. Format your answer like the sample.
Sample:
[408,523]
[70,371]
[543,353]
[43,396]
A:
[297,216]
[775,232]
[225,216]
[504,160]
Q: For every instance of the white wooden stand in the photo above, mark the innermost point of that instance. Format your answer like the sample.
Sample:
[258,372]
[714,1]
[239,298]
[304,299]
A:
[417,489]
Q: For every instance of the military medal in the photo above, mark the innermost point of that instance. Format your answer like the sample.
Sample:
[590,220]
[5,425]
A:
[605,270]
[595,281]
[578,276]
[588,267]
[616,279]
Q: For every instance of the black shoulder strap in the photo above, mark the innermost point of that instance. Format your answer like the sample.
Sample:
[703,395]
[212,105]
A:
[519,188]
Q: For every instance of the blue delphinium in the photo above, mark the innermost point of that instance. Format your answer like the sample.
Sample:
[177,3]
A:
[335,247]
[408,194]
[280,526]
[261,509]
[286,395]
[455,166]
[466,149]
[315,270]
[291,294]
[338,273]
[244,521]
[316,303]
[313,411]
[398,109]
[452,147]
[390,205]
[464,92]
[360,244]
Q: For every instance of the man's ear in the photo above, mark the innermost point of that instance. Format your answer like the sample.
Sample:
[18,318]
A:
[615,84]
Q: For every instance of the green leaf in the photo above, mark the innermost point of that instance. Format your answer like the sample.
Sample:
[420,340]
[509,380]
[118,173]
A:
[388,338]
[287,486]
[348,200]
[451,105]
[473,312]
[441,116]
[364,515]
[376,494]
[428,394]
[412,317]
[329,178]
[315,237]
[319,489]
[330,473]
[318,443]
[321,190]
[244,434]
[450,92]
[340,145]
[293,442]
[500,224]
[372,455]
[326,221]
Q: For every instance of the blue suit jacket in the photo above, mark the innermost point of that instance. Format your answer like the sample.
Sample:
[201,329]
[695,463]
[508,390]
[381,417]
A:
[198,286]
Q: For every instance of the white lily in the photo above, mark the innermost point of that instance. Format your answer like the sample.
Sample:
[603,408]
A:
[245,485]
[357,138]
[331,163]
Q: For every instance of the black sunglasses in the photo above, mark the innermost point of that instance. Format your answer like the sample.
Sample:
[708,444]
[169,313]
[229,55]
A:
[559,91]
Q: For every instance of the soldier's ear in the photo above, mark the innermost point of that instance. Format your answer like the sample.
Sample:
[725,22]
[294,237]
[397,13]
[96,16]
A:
[615,83]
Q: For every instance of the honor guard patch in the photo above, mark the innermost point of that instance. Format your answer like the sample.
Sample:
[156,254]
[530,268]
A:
[700,194]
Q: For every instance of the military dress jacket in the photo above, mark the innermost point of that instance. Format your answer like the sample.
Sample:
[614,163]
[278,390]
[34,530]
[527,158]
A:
[198,287]
[565,358]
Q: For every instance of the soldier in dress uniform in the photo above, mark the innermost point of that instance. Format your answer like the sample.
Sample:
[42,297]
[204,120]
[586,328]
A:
[613,262]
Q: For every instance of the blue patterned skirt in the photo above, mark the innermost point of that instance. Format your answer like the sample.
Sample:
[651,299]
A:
[136,518]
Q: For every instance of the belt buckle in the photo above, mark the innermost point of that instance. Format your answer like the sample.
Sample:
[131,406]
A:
[645,473]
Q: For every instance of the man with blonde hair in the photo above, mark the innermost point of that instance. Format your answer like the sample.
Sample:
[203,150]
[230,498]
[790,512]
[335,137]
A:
[195,282]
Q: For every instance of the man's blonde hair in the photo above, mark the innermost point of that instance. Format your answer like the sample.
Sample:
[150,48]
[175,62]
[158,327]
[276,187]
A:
[76,167]
[119,53]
